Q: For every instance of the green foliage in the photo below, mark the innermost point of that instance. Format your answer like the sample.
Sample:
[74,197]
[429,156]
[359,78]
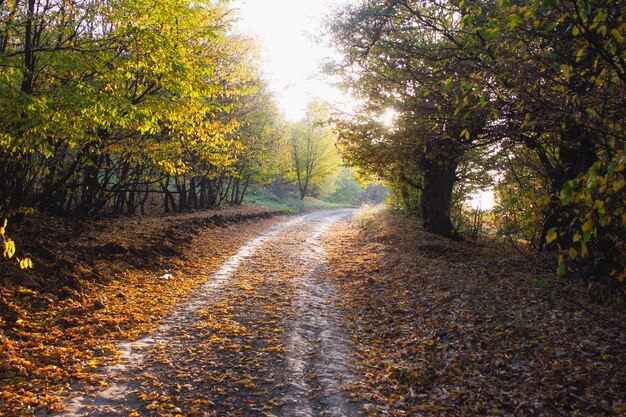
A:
[393,60]
[405,197]
[521,195]
[347,189]
[289,205]
[107,103]
[571,99]
[531,90]
[596,204]
[315,161]
[262,134]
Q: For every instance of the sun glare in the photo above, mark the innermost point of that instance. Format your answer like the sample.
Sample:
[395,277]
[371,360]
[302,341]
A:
[286,29]
[388,118]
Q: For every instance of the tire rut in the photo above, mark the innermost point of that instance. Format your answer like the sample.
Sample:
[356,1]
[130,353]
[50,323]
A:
[318,349]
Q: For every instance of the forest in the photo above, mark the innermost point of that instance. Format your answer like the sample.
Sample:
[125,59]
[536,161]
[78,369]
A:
[114,108]
[141,139]
[108,105]
[524,96]
[101,116]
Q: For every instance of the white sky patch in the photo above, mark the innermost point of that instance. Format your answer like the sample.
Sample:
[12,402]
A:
[291,59]
[483,200]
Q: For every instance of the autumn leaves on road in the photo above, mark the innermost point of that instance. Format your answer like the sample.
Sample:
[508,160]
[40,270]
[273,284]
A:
[336,313]
[261,337]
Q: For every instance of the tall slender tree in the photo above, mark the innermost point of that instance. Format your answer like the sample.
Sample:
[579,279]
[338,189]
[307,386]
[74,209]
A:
[315,161]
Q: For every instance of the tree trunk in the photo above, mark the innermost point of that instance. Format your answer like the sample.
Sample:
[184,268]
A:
[234,192]
[142,201]
[243,192]
[303,190]
[439,178]
[181,187]
[130,206]
[203,199]
[192,197]
[212,193]
[29,56]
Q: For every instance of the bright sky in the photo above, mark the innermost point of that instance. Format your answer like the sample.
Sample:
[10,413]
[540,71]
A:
[291,58]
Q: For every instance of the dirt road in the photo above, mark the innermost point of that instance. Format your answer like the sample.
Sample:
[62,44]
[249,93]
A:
[261,337]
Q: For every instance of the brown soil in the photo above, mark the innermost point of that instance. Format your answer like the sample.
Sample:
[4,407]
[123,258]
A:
[67,251]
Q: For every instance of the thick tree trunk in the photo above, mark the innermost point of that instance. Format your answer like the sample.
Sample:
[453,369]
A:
[436,199]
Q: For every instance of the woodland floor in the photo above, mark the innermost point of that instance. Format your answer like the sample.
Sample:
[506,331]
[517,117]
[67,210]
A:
[471,328]
[243,313]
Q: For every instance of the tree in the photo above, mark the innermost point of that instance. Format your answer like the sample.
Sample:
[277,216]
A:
[107,103]
[541,81]
[315,160]
[560,68]
[348,190]
[393,61]
[264,149]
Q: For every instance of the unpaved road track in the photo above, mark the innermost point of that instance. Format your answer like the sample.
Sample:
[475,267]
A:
[261,337]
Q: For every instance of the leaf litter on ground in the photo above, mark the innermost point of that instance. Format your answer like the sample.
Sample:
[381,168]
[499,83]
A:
[459,328]
[104,284]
